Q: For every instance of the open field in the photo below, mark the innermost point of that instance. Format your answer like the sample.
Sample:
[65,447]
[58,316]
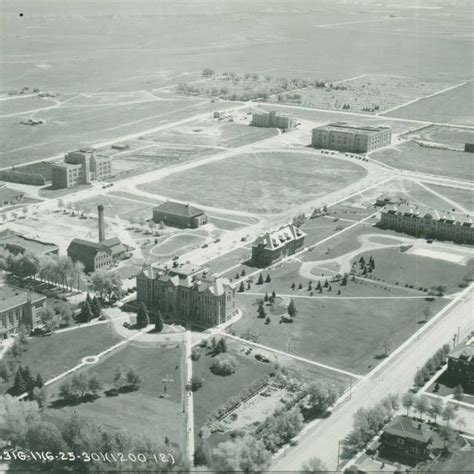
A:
[320,228]
[54,354]
[454,106]
[412,157]
[347,334]
[113,205]
[274,182]
[368,93]
[463,197]
[451,136]
[142,412]
[176,243]
[229,259]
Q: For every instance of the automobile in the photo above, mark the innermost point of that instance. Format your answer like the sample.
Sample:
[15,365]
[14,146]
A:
[176,257]
[429,241]
[217,241]
[205,246]
[261,357]
[243,239]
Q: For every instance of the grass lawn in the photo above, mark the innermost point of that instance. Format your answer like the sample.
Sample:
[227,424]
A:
[113,206]
[274,182]
[320,228]
[141,411]
[392,265]
[177,243]
[338,332]
[229,260]
[459,461]
[461,196]
[454,106]
[53,355]
[448,135]
[412,157]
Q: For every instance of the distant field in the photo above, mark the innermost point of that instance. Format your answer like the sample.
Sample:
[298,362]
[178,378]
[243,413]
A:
[412,157]
[342,333]
[454,106]
[259,182]
[453,136]
[113,206]
[461,196]
[23,105]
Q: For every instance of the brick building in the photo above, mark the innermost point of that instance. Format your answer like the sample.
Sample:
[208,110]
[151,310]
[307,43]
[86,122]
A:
[272,120]
[179,215]
[409,441]
[344,137]
[80,167]
[187,292]
[273,246]
[424,222]
[19,308]
[9,197]
[461,367]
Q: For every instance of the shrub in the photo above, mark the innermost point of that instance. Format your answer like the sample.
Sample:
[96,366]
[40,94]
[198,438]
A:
[223,364]
[195,354]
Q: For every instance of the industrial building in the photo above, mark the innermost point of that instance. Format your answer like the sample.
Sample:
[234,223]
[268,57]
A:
[273,246]
[344,137]
[180,215]
[272,120]
[97,255]
[186,292]
[81,167]
[19,308]
[421,221]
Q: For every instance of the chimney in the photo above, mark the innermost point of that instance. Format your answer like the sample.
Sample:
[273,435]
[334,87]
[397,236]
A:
[100,210]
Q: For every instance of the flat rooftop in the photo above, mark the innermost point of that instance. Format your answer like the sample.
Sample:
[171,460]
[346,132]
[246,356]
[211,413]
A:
[12,297]
[346,127]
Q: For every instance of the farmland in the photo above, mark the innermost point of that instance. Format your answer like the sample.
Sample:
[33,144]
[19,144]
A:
[454,106]
[282,183]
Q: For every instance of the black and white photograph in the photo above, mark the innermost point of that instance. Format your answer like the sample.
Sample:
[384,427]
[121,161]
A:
[237,236]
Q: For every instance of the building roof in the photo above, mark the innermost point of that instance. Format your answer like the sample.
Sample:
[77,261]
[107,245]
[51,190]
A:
[178,209]
[11,297]
[463,352]
[278,238]
[346,127]
[86,248]
[26,244]
[7,194]
[426,212]
[405,427]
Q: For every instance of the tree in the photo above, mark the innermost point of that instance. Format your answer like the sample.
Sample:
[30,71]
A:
[143,319]
[314,465]
[326,284]
[266,298]
[458,393]
[159,323]
[222,345]
[86,312]
[202,454]
[18,416]
[50,320]
[422,405]
[273,294]
[241,287]
[106,284]
[207,72]
[426,313]
[261,311]
[132,379]
[245,454]
[196,383]
[292,311]
[40,396]
[43,436]
[260,279]
[65,314]
[436,408]
[320,396]
[408,400]
[94,384]
[223,364]
[96,307]
[268,279]
[293,285]
[19,385]
[448,414]
[386,345]
[318,286]
[79,385]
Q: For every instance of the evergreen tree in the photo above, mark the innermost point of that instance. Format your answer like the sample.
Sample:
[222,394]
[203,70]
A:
[260,279]
[329,288]
[293,285]
[159,324]
[222,345]
[28,378]
[274,294]
[265,298]
[268,279]
[248,285]
[241,287]
[292,309]
[326,284]
[86,313]
[39,381]
[96,308]
[143,319]
[318,286]
[242,273]
[261,311]
[19,384]
[300,286]
[237,276]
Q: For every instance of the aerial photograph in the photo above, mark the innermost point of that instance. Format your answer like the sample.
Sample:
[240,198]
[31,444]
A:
[237,236]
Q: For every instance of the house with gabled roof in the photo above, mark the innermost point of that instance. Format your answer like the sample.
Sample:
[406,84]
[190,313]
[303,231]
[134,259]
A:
[177,214]
[187,292]
[273,246]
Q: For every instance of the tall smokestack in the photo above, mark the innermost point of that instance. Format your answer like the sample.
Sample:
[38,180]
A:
[100,210]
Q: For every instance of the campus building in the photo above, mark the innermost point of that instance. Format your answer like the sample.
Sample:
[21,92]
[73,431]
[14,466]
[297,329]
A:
[187,292]
[19,308]
[17,243]
[272,120]
[461,367]
[425,222]
[409,441]
[80,167]
[273,246]
[9,197]
[176,214]
[344,137]
[97,255]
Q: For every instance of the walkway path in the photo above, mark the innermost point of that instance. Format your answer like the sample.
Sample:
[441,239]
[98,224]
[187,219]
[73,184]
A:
[189,400]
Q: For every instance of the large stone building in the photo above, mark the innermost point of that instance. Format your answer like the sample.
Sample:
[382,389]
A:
[344,137]
[273,246]
[409,441]
[186,292]
[424,222]
[272,120]
[9,197]
[461,367]
[80,167]
[17,243]
[176,214]
[97,255]
[19,308]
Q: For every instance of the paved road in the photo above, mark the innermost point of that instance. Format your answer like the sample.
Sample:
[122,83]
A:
[394,376]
